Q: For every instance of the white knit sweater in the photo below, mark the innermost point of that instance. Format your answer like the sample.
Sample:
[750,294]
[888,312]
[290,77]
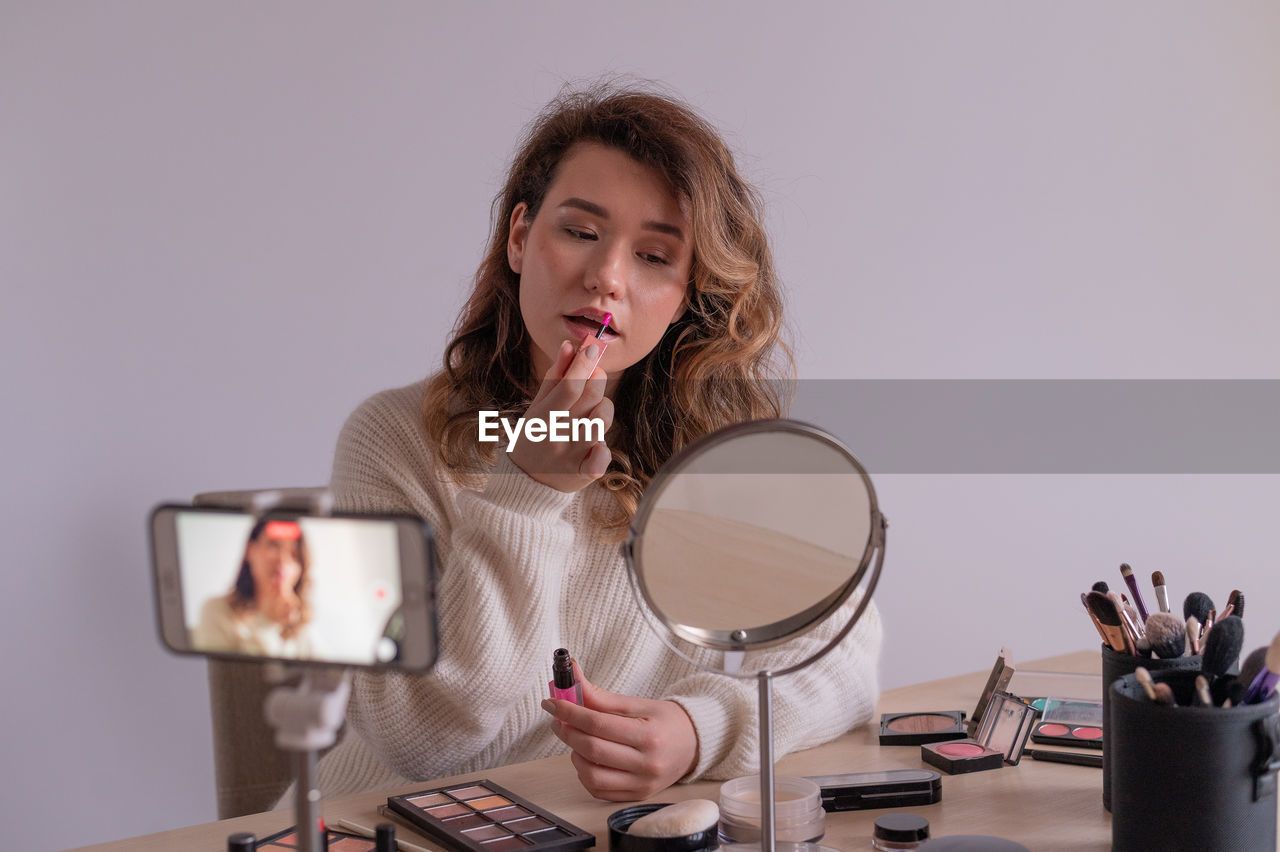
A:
[522,572]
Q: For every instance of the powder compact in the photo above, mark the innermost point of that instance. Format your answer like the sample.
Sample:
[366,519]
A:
[1006,725]
[480,816]
[920,728]
[1069,722]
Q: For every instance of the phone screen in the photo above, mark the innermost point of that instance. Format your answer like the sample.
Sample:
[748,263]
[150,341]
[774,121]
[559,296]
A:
[291,587]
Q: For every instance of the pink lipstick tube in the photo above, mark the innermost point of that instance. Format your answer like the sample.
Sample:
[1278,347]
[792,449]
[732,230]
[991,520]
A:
[563,685]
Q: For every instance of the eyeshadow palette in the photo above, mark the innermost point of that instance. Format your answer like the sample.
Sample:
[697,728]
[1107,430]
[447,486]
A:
[1069,722]
[921,728]
[480,816]
[337,841]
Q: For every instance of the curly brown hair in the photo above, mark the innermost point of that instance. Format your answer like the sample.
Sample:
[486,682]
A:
[721,362]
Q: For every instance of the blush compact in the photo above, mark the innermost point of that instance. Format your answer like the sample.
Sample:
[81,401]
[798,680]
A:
[920,728]
[1006,725]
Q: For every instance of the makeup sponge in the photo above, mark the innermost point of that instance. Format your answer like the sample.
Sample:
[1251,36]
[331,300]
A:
[687,817]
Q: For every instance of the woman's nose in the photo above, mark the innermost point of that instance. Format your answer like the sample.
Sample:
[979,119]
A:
[608,274]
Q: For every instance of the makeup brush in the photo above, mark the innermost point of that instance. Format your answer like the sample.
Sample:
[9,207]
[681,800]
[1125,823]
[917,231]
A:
[1143,676]
[1106,640]
[1130,629]
[1209,620]
[1222,646]
[1264,683]
[1131,615]
[1162,591]
[1234,696]
[1132,582]
[1197,604]
[1101,586]
[1235,604]
[1160,693]
[1167,635]
[1164,694]
[1110,624]
[1252,665]
[1202,692]
[1193,636]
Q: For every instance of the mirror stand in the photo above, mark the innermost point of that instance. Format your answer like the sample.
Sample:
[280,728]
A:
[764,682]
[751,536]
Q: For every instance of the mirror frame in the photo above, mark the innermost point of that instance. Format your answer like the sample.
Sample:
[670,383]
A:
[742,639]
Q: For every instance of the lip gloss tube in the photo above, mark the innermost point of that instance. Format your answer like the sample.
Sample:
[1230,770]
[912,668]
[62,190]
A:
[595,338]
[562,683]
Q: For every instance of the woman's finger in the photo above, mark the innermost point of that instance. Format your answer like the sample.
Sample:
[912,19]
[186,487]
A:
[556,371]
[607,783]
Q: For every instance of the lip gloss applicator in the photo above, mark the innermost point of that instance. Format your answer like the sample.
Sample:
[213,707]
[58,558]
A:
[563,685]
[590,339]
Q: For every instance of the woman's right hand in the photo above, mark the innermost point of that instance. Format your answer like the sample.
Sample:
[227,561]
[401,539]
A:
[573,384]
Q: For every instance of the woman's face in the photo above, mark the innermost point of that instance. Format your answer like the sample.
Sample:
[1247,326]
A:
[610,237]
[274,563]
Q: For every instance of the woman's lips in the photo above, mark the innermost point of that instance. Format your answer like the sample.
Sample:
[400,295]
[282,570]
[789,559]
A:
[582,328]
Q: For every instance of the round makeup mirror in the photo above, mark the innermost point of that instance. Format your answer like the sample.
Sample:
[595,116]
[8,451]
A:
[751,537]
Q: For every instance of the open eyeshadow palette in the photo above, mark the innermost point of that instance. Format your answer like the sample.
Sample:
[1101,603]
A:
[338,841]
[480,816]
[1068,721]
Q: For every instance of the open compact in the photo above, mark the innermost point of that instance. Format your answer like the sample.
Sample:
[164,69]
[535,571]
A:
[920,728]
[1070,722]
[1006,725]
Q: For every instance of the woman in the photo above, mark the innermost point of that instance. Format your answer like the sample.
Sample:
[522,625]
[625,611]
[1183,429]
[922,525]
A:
[623,203]
[267,611]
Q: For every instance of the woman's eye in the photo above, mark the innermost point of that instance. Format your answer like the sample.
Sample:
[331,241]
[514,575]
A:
[579,234]
[655,259]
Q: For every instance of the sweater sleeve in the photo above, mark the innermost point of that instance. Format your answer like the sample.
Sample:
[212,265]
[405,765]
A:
[501,546]
[810,707]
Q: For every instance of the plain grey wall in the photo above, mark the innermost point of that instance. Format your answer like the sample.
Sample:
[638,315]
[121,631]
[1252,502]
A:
[224,224]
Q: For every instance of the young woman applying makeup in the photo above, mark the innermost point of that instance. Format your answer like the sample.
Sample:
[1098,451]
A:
[618,202]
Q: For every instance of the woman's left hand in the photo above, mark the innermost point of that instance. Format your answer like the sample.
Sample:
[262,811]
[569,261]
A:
[624,748]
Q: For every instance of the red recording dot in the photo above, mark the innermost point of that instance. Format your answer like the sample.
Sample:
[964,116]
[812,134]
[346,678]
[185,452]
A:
[380,593]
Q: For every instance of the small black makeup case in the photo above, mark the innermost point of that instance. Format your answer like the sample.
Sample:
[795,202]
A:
[895,788]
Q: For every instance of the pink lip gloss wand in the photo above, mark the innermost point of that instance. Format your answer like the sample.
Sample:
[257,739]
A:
[593,338]
[600,344]
[562,683]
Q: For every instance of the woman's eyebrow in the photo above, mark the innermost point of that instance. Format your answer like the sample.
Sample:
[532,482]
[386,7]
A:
[596,210]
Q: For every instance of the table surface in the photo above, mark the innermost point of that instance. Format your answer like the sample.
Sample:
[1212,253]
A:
[1045,806]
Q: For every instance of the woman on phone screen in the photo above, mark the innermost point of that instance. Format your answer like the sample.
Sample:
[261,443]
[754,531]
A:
[624,203]
[268,610]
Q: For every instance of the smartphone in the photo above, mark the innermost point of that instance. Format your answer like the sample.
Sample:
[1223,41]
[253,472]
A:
[349,590]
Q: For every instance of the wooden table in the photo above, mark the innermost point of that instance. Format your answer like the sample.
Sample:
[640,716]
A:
[1045,806]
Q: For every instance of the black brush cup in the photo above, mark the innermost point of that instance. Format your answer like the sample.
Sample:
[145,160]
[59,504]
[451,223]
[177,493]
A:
[1191,777]
[1116,665]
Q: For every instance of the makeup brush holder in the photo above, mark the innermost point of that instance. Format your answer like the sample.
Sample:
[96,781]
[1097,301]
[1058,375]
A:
[1190,777]
[1116,665]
